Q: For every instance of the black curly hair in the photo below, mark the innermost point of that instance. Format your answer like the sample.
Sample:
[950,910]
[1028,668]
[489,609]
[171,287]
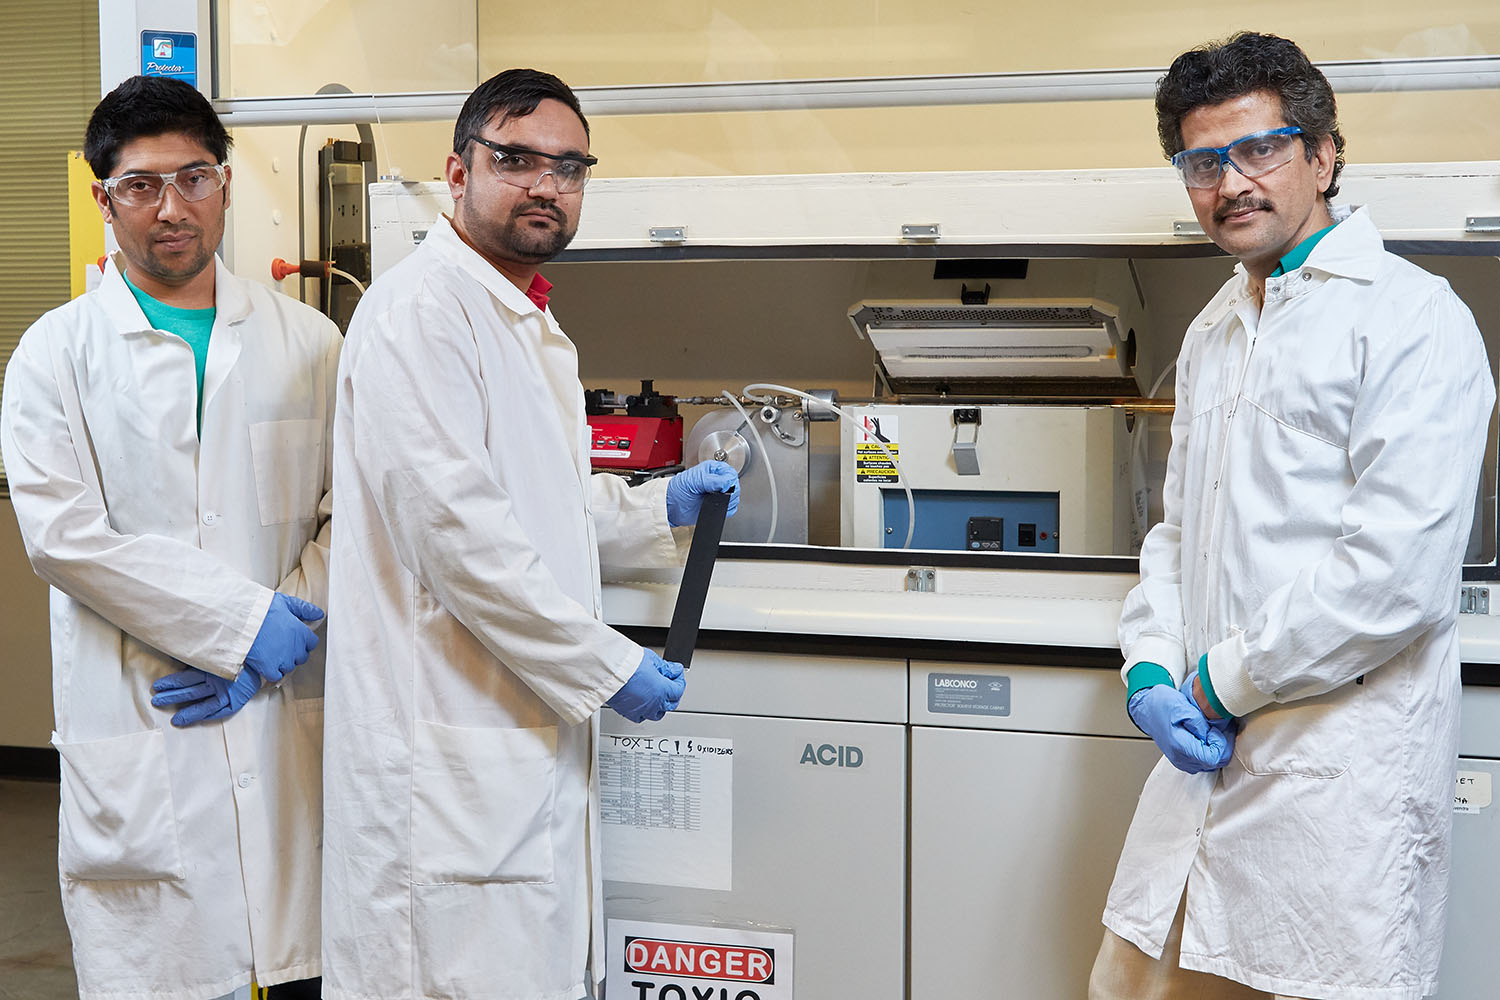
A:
[1246,63]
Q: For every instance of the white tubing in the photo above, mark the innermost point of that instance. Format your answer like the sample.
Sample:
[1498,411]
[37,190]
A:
[911,504]
[761,444]
[349,278]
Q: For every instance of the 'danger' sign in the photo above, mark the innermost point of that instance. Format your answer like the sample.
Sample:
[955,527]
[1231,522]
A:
[651,961]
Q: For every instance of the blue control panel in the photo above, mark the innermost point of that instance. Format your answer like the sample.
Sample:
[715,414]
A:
[972,520]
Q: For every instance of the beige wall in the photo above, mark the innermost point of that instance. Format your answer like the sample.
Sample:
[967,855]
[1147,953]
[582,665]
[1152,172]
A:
[607,42]
[49,74]
[25,657]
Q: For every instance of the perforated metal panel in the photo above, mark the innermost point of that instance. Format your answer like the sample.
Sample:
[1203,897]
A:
[905,316]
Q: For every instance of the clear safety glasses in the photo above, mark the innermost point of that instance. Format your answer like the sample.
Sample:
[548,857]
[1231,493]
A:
[140,190]
[525,168]
[1252,155]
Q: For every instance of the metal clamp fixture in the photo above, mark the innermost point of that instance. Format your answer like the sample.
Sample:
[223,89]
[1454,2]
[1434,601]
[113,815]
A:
[668,234]
[1473,600]
[1482,224]
[965,453]
[921,579]
[927,232]
[1186,228]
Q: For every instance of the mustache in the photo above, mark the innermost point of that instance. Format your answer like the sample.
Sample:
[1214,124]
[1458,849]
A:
[171,232]
[1239,205]
[543,206]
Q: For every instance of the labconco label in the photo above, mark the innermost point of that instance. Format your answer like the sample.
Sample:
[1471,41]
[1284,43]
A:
[968,694]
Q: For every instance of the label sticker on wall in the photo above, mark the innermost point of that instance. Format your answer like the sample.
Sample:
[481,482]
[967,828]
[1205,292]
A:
[656,961]
[170,53]
[1472,792]
[870,462]
[668,802]
[968,694]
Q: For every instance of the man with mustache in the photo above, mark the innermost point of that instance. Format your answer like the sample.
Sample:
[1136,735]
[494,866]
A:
[166,438]
[1292,646]
[461,809]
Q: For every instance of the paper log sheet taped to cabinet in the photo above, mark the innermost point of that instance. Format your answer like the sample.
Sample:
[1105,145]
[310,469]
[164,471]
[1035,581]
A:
[666,804]
[1472,793]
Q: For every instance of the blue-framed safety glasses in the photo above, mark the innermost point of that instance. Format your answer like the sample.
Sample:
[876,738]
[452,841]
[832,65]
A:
[1252,155]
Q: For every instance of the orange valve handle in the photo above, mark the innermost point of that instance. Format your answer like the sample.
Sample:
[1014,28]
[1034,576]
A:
[308,269]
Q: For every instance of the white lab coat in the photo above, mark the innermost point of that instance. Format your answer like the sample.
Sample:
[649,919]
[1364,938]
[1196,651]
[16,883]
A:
[1319,495]
[467,656]
[188,857]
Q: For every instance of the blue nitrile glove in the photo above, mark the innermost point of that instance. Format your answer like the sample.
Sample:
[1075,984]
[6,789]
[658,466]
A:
[284,640]
[1225,723]
[206,697]
[1173,722]
[685,490]
[652,691]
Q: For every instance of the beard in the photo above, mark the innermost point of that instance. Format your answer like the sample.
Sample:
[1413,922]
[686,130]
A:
[522,240]
[170,268]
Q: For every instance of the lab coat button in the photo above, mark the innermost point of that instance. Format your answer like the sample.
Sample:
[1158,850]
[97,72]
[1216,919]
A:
[1306,275]
[210,518]
[245,781]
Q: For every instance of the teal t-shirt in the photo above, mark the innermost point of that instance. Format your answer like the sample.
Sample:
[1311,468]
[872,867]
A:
[193,325]
[1300,253]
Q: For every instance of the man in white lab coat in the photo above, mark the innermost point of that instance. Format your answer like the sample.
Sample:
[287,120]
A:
[166,441]
[1292,645]
[467,658]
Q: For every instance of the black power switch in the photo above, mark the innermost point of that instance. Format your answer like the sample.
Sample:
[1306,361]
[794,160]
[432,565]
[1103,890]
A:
[1026,535]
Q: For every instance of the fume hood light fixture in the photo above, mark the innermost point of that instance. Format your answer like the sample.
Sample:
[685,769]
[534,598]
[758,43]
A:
[1031,340]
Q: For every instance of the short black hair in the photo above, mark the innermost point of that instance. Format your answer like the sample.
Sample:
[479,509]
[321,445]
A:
[1246,63]
[515,93]
[150,106]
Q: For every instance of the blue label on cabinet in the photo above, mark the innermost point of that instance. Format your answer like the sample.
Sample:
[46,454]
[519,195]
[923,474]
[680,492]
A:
[170,53]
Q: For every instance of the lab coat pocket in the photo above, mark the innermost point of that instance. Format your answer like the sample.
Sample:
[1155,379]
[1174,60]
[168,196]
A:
[117,821]
[288,460]
[1311,737]
[482,804]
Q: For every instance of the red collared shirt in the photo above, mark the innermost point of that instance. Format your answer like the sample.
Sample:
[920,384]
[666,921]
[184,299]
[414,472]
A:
[537,293]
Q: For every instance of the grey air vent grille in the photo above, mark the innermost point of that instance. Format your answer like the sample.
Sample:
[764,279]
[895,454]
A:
[878,317]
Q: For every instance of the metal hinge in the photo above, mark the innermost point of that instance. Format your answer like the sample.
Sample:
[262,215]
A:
[921,579]
[924,231]
[1184,228]
[668,234]
[1473,599]
[1482,224]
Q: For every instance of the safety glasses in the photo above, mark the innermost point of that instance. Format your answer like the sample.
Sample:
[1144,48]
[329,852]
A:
[525,168]
[138,190]
[1252,155]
